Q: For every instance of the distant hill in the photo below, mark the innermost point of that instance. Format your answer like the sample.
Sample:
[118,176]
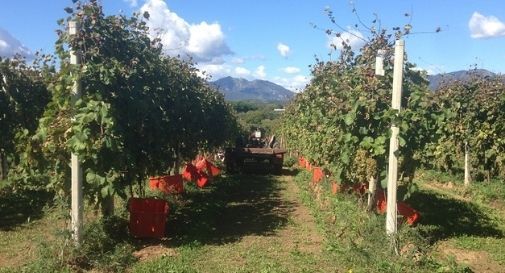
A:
[462,75]
[241,89]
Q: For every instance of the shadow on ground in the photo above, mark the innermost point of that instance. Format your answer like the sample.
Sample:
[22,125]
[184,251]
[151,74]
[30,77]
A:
[229,209]
[445,217]
[290,171]
[17,207]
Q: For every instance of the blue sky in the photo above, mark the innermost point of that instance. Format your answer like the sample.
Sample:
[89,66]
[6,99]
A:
[274,40]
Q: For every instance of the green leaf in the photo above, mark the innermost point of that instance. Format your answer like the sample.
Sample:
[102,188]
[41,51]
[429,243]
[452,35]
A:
[379,150]
[384,183]
[401,141]
[349,119]
[367,142]
[107,191]
[381,140]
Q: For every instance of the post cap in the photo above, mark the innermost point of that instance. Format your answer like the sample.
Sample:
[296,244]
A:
[72,27]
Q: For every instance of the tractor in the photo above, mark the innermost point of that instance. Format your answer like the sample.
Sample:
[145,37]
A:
[257,154]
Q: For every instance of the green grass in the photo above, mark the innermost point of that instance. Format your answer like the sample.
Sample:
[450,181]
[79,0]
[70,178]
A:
[488,193]
[350,232]
[492,245]
[26,218]
[226,211]
[249,223]
[468,218]
[19,208]
[444,217]
[105,247]
[182,263]
[193,259]
[243,223]
[35,238]
[358,240]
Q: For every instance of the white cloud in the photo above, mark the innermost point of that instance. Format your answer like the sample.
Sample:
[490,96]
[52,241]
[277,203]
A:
[300,81]
[204,42]
[353,38]
[207,40]
[10,46]
[216,71]
[430,69]
[242,72]
[283,49]
[485,27]
[237,60]
[132,3]
[291,70]
[260,72]
[295,84]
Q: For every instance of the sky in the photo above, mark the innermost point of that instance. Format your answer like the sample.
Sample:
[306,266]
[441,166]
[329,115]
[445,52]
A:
[278,40]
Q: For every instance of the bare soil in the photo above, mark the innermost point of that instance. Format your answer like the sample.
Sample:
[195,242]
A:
[478,261]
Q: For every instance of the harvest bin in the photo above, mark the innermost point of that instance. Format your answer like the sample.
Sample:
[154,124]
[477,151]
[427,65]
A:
[167,183]
[147,217]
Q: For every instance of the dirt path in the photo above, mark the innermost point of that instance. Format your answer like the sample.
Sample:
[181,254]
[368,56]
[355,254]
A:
[263,227]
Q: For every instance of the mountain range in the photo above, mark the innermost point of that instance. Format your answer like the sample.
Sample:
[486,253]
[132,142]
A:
[235,89]
[461,75]
[241,89]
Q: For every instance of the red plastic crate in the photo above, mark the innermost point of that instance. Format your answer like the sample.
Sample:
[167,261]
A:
[301,162]
[203,180]
[308,166]
[205,165]
[167,184]
[411,215]
[201,164]
[190,172]
[147,217]
[317,174]
[212,169]
[335,188]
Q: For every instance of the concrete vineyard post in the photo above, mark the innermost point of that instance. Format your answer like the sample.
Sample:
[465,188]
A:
[372,190]
[391,214]
[379,62]
[76,187]
[468,177]
[3,154]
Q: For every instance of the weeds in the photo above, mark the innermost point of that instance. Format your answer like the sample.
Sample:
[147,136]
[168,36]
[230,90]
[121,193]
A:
[207,229]
[289,161]
[104,247]
[358,239]
[21,207]
[483,192]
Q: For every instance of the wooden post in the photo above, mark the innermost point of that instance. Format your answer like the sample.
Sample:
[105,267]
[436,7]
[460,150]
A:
[391,216]
[76,187]
[468,177]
